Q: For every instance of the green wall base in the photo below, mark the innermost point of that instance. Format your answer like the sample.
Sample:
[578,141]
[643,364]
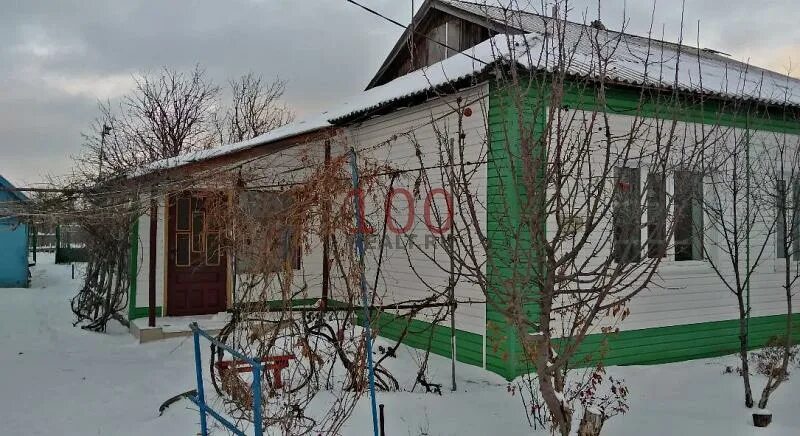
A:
[419,334]
[142,312]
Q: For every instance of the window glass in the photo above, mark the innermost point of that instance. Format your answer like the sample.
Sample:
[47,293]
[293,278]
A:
[183,214]
[454,37]
[271,243]
[437,51]
[781,217]
[794,218]
[182,253]
[688,216]
[212,248]
[656,215]
[197,231]
[627,216]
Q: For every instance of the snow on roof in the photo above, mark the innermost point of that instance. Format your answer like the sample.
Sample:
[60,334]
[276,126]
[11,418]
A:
[592,54]
[306,125]
[639,61]
[721,75]
[419,81]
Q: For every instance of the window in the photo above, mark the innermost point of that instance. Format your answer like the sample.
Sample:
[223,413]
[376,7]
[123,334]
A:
[794,217]
[627,216]
[436,37]
[270,242]
[656,215]
[198,222]
[182,255]
[688,216]
[183,235]
[790,217]
[182,222]
[780,230]
[449,36]
[212,248]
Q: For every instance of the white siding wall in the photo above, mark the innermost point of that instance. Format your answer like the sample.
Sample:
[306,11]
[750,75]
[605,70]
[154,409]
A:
[143,258]
[686,292]
[284,168]
[392,140]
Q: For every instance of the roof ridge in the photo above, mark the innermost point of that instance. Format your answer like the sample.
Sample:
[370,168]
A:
[539,15]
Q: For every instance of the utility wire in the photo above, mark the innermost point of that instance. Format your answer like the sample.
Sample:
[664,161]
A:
[410,29]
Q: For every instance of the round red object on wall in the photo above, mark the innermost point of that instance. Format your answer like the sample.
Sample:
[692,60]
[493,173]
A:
[467,112]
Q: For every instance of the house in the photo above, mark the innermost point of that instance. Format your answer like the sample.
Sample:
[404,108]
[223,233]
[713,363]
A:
[441,82]
[13,238]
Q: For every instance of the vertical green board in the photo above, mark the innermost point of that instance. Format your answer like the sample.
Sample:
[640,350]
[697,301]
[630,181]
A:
[506,237]
[511,258]
[133,257]
[133,311]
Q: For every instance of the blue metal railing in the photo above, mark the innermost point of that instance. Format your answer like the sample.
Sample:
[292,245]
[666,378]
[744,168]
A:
[359,242]
[200,399]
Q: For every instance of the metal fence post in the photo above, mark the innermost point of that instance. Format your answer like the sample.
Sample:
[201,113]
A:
[201,399]
[383,428]
[359,242]
[257,399]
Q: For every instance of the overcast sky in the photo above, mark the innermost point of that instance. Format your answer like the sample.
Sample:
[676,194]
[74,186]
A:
[58,58]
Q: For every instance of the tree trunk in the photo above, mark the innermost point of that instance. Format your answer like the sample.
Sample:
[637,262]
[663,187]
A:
[562,416]
[775,380]
[591,424]
[743,343]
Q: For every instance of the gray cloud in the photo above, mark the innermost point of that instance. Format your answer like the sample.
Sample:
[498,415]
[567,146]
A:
[58,58]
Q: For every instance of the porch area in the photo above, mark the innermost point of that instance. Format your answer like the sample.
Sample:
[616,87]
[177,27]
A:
[176,326]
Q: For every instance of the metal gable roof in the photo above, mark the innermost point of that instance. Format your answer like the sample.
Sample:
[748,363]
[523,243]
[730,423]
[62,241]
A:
[612,56]
[634,59]
[6,186]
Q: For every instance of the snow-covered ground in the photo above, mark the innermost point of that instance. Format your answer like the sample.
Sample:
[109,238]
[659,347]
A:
[57,379]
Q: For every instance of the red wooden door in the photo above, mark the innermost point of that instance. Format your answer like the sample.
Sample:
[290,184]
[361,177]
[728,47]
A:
[197,268]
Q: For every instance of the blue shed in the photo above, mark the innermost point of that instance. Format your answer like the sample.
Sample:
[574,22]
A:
[13,239]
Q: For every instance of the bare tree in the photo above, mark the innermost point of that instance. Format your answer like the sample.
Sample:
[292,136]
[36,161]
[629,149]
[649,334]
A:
[735,216]
[256,108]
[778,170]
[164,116]
[169,114]
[574,184]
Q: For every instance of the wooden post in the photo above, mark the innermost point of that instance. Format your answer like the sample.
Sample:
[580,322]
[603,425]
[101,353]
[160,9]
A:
[56,250]
[34,232]
[326,267]
[151,306]
[383,422]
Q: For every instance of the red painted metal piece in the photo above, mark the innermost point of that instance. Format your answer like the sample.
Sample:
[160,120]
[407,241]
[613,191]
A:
[274,363]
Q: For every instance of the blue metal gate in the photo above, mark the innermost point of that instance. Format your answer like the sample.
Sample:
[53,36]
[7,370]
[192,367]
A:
[200,399]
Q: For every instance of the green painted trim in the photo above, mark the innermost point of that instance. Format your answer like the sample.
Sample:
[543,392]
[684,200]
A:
[419,334]
[511,256]
[507,238]
[653,104]
[133,259]
[679,342]
[469,346]
[133,311]
[144,312]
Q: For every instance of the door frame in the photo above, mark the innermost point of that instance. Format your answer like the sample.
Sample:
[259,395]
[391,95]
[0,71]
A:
[169,267]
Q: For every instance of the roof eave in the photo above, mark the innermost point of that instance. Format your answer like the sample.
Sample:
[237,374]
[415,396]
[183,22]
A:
[155,176]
